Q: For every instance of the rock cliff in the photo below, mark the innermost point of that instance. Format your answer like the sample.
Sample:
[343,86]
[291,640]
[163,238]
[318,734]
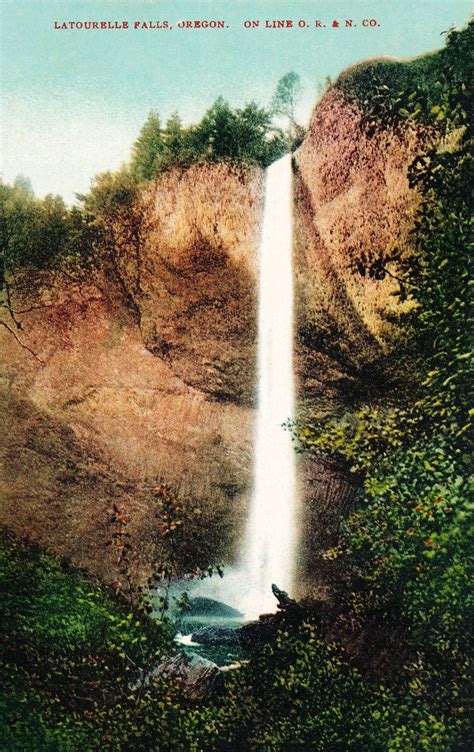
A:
[353,204]
[354,212]
[136,383]
[146,374]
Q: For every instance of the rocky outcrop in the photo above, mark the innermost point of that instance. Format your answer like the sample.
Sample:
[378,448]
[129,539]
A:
[191,272]
[216,634]
[354,210]
[195,676]
[123,387]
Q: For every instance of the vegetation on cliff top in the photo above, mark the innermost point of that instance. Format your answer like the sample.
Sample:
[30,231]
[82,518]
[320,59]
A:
[43,234]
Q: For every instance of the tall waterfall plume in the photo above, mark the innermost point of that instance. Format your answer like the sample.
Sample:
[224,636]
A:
[269,545]
[268,548]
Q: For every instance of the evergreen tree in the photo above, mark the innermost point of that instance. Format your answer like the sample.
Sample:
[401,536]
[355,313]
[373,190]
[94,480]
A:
[147,149]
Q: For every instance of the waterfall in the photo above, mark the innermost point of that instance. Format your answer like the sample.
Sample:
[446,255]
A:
[269,544]
[268,550]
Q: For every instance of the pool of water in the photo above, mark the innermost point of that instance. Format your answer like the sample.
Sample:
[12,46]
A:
[222,655]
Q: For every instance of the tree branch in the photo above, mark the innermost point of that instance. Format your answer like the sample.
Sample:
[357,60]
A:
[22,344]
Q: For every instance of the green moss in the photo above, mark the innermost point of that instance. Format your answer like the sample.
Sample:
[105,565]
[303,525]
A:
[70,648]
[51,603]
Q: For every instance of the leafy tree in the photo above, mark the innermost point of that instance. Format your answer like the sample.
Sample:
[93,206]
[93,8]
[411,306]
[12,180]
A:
[246,135]
[283,105]
[34,230]
[111,192]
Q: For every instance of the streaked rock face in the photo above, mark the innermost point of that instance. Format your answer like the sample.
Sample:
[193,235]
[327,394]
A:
[192,276]
[352,201]
[148,375]
[135,384]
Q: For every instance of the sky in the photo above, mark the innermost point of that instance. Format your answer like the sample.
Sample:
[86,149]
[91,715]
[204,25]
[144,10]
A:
[74,100]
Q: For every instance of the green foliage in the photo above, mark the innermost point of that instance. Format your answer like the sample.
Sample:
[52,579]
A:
[147,149]
[45,602]
[238,135]
[33,232]
[110,193]
[72,669]
[406,548]
[422,89]
[298,693]
[70,656]
[286,94]
[361,439]
[41,234]
[409,551]
[29,721]
[245,136]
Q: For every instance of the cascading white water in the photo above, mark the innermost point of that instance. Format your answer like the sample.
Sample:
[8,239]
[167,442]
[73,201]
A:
[269,545]
[268,551]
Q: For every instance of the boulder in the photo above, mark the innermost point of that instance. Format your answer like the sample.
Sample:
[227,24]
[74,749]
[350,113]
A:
[216,635]
[201,606]
[197,675]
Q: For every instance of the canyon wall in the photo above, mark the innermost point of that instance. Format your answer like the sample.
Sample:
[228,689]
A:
[354,212]
[147,373]
[128,384]
[354,208]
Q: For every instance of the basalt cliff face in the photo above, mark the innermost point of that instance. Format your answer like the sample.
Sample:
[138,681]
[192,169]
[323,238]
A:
[354,209]
[354,212]
[147,374]
[142,377]
[191,276]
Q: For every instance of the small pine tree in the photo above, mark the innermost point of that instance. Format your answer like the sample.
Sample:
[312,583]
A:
[147,149]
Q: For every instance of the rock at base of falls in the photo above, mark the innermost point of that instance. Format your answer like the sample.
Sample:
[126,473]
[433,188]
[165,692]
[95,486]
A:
[197,675]
[262,630]
[200,606]
[266,627]
[216,635]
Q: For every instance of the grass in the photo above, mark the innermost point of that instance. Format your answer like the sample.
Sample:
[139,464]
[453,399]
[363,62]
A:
[69,647]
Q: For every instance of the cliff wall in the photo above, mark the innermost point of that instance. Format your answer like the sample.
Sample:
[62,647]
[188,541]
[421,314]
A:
[147,374]
[354,212]
[136,383]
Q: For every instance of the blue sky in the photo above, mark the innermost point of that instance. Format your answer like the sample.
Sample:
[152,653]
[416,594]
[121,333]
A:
[74,101]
